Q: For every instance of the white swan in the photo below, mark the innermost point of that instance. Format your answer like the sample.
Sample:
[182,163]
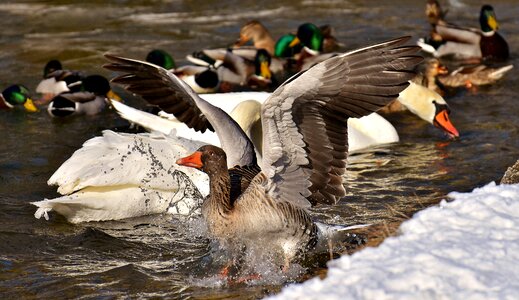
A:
[362,132]
[118,175]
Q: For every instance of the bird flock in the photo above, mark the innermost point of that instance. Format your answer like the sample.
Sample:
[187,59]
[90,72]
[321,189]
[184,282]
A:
[252,136]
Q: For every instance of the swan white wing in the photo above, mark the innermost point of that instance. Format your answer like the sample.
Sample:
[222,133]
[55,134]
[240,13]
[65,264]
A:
[304,121]
[369,131]
[161,87]
[115,159]
[168,126]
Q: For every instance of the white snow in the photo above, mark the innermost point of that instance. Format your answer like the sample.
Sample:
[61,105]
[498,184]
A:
[464,249]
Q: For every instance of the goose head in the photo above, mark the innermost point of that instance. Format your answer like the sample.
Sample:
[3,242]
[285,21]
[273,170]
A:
[208,159]
[17,95]
[161,58]
[488,20]
[428,105]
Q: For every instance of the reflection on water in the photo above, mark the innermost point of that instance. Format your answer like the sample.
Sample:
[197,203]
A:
[157,256]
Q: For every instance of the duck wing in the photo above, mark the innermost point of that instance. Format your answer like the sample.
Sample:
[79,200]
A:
[305,141]
[79,97]
[161,87]
[458,34]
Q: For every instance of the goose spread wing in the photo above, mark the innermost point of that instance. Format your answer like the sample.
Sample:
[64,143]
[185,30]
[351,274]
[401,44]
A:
[304,120]
[161,87]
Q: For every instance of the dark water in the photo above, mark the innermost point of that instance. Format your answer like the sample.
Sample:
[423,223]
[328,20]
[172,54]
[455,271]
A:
[156,256]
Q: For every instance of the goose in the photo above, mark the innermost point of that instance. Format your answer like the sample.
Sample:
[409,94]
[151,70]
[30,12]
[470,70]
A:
[468,43]
[86,96]
[117,175]
[304,143]
[17,95]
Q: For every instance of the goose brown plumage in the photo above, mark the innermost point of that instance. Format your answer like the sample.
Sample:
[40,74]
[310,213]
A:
[304,141]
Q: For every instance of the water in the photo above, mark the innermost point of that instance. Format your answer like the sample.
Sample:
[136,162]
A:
[157,256]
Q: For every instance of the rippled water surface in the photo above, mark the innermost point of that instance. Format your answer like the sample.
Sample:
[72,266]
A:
[166,257]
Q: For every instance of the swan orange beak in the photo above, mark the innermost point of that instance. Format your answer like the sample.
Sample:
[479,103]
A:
[194,160]
[442,121]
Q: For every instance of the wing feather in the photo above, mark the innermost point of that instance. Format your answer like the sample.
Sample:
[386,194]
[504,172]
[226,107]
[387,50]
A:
[305,119]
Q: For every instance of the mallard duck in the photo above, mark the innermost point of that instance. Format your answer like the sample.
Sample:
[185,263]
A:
[468,43]
[55,81]
[236,71]
[434,13]
[258,34]
[202,79]
[87,96]
[304,143]
[436,76]
[17,95]
[308,35]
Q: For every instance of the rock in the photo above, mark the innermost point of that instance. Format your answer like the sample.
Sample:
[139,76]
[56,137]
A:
[511,175]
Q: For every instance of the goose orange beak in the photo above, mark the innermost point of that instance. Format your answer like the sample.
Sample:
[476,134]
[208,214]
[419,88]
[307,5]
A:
[194,160]
[442,121]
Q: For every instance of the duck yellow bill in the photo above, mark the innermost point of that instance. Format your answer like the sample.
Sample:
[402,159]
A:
[492,22]
[194,160]
[265,70]
[442,121]
[29,106]
[114,96]
[294,42]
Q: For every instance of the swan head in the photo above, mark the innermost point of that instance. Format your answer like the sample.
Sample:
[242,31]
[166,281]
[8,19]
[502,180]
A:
[429,106]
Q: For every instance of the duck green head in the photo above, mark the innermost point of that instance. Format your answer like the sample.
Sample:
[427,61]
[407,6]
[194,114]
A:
[51,66]
[161,58]
[100,86]
[310,36]
[262,63]
[283,48]
[16,95]
[487,19]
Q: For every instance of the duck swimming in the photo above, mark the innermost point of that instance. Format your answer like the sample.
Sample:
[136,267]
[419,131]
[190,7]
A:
[467,43]
[87,96]
[55,81]
[202,79]
[17,95]
[304,142]
[437,77]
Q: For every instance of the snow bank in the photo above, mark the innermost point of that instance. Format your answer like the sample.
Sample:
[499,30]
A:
[464,249]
